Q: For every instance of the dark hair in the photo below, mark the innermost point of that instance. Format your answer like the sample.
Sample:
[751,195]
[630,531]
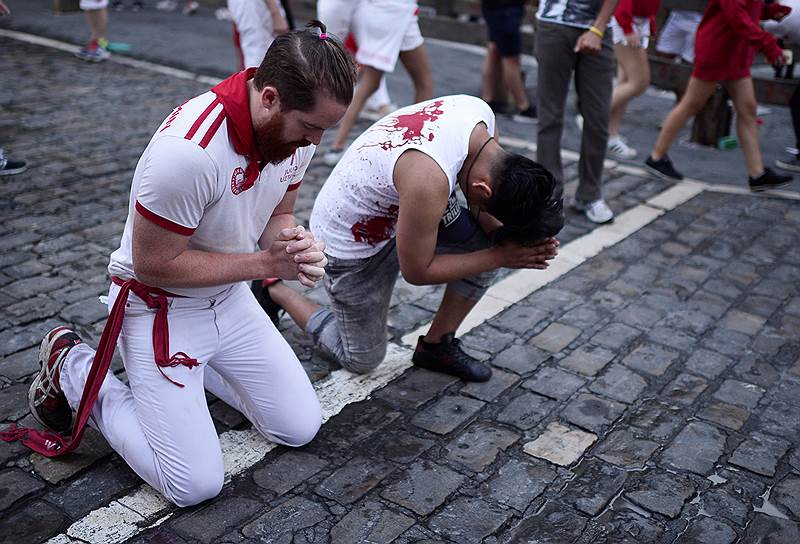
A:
[526,199]
[301,63]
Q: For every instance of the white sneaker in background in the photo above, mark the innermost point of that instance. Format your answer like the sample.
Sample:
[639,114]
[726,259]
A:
[579,121]
[167,5]
[618,149]
[596,212]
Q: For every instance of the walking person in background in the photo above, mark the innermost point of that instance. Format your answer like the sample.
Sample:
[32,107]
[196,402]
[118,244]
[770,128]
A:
[385,30]
[633,23]
[255,24]
[97,17]
[571,39]
[727,40]
[338,17]
[789,28]
[503,19]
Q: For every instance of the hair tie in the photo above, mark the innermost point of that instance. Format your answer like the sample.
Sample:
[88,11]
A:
[323,35]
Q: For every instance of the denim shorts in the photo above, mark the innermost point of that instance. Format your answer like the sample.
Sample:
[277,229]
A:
[503,23]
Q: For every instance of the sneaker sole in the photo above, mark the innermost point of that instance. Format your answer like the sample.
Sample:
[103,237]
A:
[524,120]
[660,174]
[45,348]
[770,187]
[787,166]
[12,171]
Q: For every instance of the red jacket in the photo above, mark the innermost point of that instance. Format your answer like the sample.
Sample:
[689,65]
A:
[728,38]
[628,9]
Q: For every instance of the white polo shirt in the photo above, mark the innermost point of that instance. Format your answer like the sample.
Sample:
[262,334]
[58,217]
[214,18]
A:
[356,211]
[190,180]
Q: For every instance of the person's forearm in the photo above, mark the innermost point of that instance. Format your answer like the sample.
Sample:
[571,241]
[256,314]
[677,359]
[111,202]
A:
[448,267]
[195,268]
[605,13]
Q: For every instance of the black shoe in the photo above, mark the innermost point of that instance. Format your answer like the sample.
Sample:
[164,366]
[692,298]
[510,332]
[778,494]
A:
[528,115]
[663,168]
[271,308]
[769,180]
[9,167]
[448,357]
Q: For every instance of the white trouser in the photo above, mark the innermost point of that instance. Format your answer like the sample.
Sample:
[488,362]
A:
[337,15]
[254,25]
[165,432]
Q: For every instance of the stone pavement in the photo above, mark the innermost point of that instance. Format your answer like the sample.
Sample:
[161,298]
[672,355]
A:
[651,394]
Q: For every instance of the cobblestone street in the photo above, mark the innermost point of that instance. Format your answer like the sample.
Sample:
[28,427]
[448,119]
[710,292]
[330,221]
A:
[649,393]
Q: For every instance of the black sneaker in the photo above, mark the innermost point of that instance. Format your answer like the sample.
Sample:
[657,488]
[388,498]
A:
[9,167]
[497,106]
[769,180]
[271,308]
[663,168]
[46,399]
[528,115]
[448,357]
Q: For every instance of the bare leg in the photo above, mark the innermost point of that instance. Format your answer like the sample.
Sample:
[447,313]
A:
[418,67]
[452,311]
[744,102]
[635,77]
[98,24]
[490,71]
[697,94]
[296,305]
[513,78]
[368,81]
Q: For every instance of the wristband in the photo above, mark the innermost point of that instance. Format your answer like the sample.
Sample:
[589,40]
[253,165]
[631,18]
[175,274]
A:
[595,30]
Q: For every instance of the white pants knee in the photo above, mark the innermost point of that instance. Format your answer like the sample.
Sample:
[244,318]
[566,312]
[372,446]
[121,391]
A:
[165,432]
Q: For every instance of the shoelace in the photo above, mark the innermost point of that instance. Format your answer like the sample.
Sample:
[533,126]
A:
[46,382]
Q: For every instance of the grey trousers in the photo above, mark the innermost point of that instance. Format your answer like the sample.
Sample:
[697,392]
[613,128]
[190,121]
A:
[594,74]
[353,330]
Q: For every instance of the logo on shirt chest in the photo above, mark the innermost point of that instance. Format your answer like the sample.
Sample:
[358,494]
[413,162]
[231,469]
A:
[289,173]
[237,180]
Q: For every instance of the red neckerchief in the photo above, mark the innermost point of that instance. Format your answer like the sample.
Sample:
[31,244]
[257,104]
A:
[235,98]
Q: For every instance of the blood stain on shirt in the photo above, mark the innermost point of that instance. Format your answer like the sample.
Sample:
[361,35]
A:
[374,230]
[411,126]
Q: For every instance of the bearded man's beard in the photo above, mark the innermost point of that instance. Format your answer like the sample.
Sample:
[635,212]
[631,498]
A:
[270,144]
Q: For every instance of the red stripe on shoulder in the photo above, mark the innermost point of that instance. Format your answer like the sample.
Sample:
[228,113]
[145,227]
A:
[199,121]
[212,129]
[294,186]
[163,222]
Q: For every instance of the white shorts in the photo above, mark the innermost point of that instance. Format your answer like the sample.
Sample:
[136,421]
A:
[641,25]
[253,22]
[384,28]
[91,5]
[677,35]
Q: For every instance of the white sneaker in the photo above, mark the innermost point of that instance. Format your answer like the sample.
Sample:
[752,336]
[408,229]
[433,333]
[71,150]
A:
[579,121]
[618,149]
[596,212]
[332,157]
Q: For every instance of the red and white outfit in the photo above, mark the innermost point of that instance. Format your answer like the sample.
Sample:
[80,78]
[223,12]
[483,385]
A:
[384,28]
[337,15]
[200,176]
[356,210]
[252,30]
[634,16]
[728,38]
